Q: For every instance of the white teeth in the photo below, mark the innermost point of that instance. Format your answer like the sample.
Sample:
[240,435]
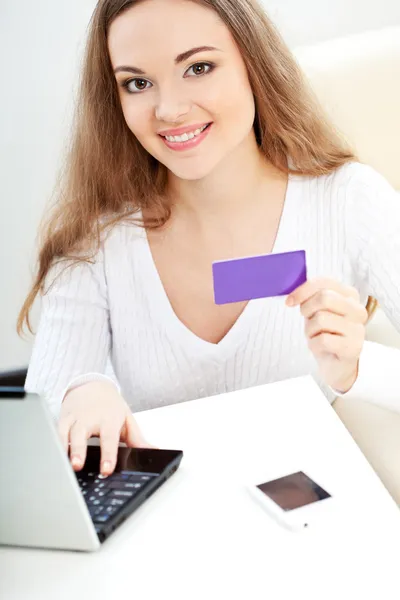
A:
[186,136]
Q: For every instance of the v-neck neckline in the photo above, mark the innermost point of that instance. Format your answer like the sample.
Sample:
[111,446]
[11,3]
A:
[170,321]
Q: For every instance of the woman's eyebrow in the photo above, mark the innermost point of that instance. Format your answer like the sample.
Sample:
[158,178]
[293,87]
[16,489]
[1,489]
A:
[185,55]
[180,58]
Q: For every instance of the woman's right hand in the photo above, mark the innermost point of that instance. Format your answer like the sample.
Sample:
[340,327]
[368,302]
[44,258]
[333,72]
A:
[97,409]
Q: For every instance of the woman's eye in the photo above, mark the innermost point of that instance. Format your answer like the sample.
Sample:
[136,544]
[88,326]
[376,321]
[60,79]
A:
[200,69]
[133,86]
[136,85]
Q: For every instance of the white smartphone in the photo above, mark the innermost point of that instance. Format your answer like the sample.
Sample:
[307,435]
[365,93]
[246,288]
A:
[294,501]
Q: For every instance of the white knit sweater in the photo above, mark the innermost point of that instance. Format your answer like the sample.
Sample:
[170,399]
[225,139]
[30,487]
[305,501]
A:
[349,225]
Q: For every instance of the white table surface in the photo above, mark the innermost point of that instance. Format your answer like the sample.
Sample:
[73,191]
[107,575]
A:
[202,536]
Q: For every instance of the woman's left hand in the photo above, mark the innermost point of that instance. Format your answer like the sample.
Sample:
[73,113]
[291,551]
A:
[335,328]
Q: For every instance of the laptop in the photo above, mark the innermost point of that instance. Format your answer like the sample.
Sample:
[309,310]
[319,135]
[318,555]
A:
[43,502]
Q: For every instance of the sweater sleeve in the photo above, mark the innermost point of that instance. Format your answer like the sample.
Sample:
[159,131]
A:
[373,238]
[378,378]
[73,340]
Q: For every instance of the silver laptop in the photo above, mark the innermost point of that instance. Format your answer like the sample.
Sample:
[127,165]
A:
[43,502]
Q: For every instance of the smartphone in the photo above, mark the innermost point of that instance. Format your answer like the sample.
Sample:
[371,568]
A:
[239,279]
[294,501]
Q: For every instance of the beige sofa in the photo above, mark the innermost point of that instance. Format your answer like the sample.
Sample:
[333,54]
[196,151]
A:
[357,79]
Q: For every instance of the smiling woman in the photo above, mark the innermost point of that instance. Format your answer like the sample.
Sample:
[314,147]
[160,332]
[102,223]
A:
[182,82]
[98,179]
[196,139]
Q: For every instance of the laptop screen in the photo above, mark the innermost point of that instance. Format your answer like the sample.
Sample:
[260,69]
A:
[12,383]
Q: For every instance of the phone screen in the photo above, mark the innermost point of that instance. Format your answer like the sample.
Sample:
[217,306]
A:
[293,491]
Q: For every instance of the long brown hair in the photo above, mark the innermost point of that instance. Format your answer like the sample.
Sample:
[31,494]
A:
[108,175]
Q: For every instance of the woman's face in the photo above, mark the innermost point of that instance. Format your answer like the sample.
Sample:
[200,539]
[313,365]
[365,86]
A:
[183,85]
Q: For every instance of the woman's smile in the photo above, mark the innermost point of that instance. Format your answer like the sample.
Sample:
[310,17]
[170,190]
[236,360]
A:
[187,140]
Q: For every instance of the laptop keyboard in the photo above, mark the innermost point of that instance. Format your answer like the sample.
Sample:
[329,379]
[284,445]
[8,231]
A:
[105,496]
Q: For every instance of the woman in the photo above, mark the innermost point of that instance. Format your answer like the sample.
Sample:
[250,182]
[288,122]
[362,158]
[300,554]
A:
[194,120]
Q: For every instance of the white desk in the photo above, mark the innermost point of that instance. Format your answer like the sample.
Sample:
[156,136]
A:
[202,536]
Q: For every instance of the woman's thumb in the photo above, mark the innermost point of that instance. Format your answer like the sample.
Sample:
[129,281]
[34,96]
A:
[133,436]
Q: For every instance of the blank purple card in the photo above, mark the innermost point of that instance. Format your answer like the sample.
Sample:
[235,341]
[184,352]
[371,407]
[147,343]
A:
[263,276]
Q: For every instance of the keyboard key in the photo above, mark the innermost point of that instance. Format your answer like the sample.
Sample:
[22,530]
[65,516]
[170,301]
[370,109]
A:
[135,475]
[102,518]
[122,485]
[99,481]
[99,491]
[135,479]
[140,477]
[118,477]
[110,510]
[139,474]
[122,493]
[115,502]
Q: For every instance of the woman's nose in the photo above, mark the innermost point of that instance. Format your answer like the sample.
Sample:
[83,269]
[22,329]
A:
[171,107]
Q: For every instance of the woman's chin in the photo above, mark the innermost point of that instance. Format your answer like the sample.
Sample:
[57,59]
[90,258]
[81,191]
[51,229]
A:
[192,170]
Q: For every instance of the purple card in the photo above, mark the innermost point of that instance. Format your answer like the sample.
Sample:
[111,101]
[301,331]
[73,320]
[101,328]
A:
[263,276]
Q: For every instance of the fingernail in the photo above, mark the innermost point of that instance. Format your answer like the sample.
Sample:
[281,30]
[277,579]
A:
[106,466]
[290,301]
[76,461]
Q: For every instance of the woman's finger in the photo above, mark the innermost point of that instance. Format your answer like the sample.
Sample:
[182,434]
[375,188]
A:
[64,426]
[345,347]
[326,322]
[78,437]
[133,437]
[109,441]
[325,343]
[309,288]
[329,300]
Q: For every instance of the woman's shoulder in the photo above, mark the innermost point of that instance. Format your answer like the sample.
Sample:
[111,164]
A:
[110,236]
[356,176]
[366,189]
[353,184]
[371,204]
[116,230]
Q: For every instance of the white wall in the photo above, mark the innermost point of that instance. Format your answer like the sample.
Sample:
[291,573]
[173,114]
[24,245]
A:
[309,21]
[40,42]
[39,48]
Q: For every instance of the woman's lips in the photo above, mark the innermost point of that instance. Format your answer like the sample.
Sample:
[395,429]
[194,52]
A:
[188,144]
